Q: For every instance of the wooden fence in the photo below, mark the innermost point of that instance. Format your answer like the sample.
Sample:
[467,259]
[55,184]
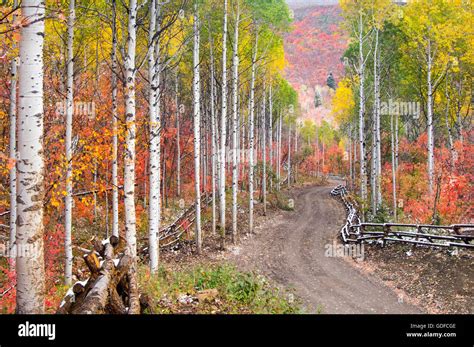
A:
[171,234]
[456,235]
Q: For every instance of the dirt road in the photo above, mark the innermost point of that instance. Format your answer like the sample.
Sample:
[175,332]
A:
[290,248]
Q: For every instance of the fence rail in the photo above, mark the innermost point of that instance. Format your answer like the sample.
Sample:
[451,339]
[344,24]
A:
[171,234]
[456,235]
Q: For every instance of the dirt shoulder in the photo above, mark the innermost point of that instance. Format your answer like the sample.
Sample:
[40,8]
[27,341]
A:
[436,280]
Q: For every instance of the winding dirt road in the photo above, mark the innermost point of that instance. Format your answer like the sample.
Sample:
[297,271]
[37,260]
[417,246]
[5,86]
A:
[290,248]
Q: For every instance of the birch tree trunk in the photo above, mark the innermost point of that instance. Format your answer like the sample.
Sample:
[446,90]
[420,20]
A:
[373,172]
[197,124]
[394,169]
[279,151]
[264,153]
[289,155]
[373,175]
[115,202]
[296,152]
[430,123]
[178,139]
[234,125]
[69,115]
[350,155]
[396,143]
[154,147]
[30,283]
[222,152]
[270,131]
[12,145]
[252,132]
[363,169]
[378,148]
[129,166]
[213,137]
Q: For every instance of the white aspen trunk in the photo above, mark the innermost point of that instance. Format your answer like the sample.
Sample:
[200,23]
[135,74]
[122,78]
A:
[178,139]
[222,149]
[363,169]
[243,145]
[378,167]
[69,115]
[115,202]
[234,125]
[240,130]
[164,198]
[94,194]
[289,154]
[270,131]
[106,195]
[350,155]
[354,161]
[396,143]
[30,282]
[12,145]
[279,151]
[394,169]
[204,152]
[430,123]
[252,132]
[373,172]
[129,165]
[323,147]
[214,158]
[296,152]
[197,124]
[264,152]
[145,187]
[373,175]
[154,174]
[317,152]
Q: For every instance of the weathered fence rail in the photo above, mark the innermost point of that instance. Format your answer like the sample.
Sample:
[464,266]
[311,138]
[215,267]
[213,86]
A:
[456,235]
[171,234]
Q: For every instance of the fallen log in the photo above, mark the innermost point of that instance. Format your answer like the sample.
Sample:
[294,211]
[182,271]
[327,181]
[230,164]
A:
[108,288]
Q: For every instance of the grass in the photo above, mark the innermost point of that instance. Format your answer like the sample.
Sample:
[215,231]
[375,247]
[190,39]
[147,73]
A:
[235,292]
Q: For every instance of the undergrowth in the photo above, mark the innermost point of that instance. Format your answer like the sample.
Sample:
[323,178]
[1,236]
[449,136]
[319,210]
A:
[232,291]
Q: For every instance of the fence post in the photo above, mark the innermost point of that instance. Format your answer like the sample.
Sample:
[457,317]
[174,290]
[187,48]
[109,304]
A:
[386,230]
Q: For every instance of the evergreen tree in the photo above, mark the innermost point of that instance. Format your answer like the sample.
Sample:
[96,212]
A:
[331,83]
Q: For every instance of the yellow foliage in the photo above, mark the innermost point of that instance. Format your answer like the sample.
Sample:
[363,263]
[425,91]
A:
[343,101]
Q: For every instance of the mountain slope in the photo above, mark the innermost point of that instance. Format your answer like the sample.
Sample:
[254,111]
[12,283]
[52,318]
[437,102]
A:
[313,50]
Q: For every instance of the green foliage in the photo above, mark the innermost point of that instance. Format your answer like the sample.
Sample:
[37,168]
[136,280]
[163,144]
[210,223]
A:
[281,201]
[383,215]
[272,13]
[238,292]
[308,131]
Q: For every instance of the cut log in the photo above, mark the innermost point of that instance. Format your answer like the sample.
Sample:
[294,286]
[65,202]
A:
[66,304]
[114,241]
[111,288]
[78,288]
[96,299]
[115,305]
[93,263]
